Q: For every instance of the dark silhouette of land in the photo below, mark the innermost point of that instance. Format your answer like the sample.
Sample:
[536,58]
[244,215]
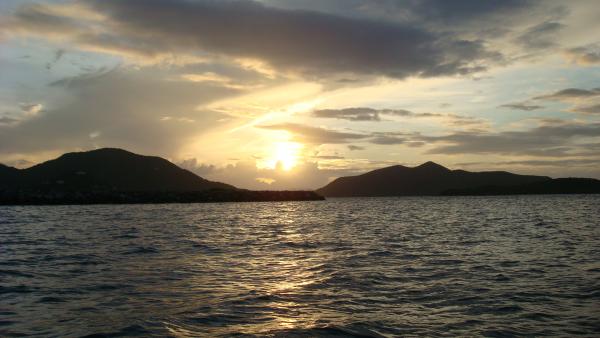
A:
[569,185]
[433,179]
[117,176]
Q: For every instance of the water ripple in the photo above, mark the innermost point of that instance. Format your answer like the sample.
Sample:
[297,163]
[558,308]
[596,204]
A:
[372,267]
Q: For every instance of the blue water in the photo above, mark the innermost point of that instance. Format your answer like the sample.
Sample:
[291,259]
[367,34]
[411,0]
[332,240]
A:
[371,267]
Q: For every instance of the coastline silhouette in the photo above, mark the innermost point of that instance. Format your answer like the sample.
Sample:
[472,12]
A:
[111,175]
[430,179]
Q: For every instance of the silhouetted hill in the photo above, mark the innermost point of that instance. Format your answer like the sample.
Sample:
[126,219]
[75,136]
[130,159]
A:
[427,179]
[117,176]
[7,175]
[107,169]
[556,186]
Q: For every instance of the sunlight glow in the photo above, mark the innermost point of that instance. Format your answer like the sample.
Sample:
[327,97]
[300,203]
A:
[285,156]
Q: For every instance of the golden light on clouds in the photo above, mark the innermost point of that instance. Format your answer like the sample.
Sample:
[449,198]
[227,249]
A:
[276,99]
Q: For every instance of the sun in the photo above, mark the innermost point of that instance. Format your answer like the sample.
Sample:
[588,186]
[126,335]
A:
[285,155]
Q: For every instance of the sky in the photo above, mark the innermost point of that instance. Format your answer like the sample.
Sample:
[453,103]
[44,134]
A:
[282,94]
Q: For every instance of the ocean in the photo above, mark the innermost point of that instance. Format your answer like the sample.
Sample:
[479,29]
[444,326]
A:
[348,267]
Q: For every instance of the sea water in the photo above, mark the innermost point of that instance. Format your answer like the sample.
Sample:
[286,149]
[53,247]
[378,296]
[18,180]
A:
[364,267]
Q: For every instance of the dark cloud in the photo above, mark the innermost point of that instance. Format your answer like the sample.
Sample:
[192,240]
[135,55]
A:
[415,144]
[352,147]
[387,140]
[521,106]
[371,114]
[540,36]
[40,18]
[360,113]
[452,12]
[352,114]
[57,56]
[306,41]
[569,93]
[395,138]
[438,14]
[553,139]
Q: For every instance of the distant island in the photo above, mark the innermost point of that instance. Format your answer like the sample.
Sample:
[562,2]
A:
[116,176]
[112,175]
[431,179]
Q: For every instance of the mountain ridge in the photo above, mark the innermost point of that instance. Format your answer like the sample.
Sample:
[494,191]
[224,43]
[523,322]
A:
[429,178]
[117,176]
[107,169]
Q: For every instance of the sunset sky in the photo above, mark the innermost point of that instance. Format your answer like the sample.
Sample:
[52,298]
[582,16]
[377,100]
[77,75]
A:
[286,94]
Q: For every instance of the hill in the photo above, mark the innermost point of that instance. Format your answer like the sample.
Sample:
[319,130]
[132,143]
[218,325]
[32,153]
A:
[106,169]
[117,176]
[426,179]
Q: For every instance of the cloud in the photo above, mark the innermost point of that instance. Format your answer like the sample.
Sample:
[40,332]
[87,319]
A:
[123,106]
[443,14]
[566,167]
[521,106]
[395,138]
[371,114]
[592,109]
[458,11]
[57,56]
[201,169]
[540,36]
[328,157]
[359,113]
[351,114]
[569,94]
[306,175]
[315,135]
[549,139]
[388,138]
[584,55]
[7,120]
[542,163]
[500,23]
[245,174]
[31,109]
[304,41]
[352,147]
[587,100]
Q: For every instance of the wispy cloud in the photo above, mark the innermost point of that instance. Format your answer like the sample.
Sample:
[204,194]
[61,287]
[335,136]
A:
[569,94]
[548,139]
[521,106]
[584,55]
[316,135]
